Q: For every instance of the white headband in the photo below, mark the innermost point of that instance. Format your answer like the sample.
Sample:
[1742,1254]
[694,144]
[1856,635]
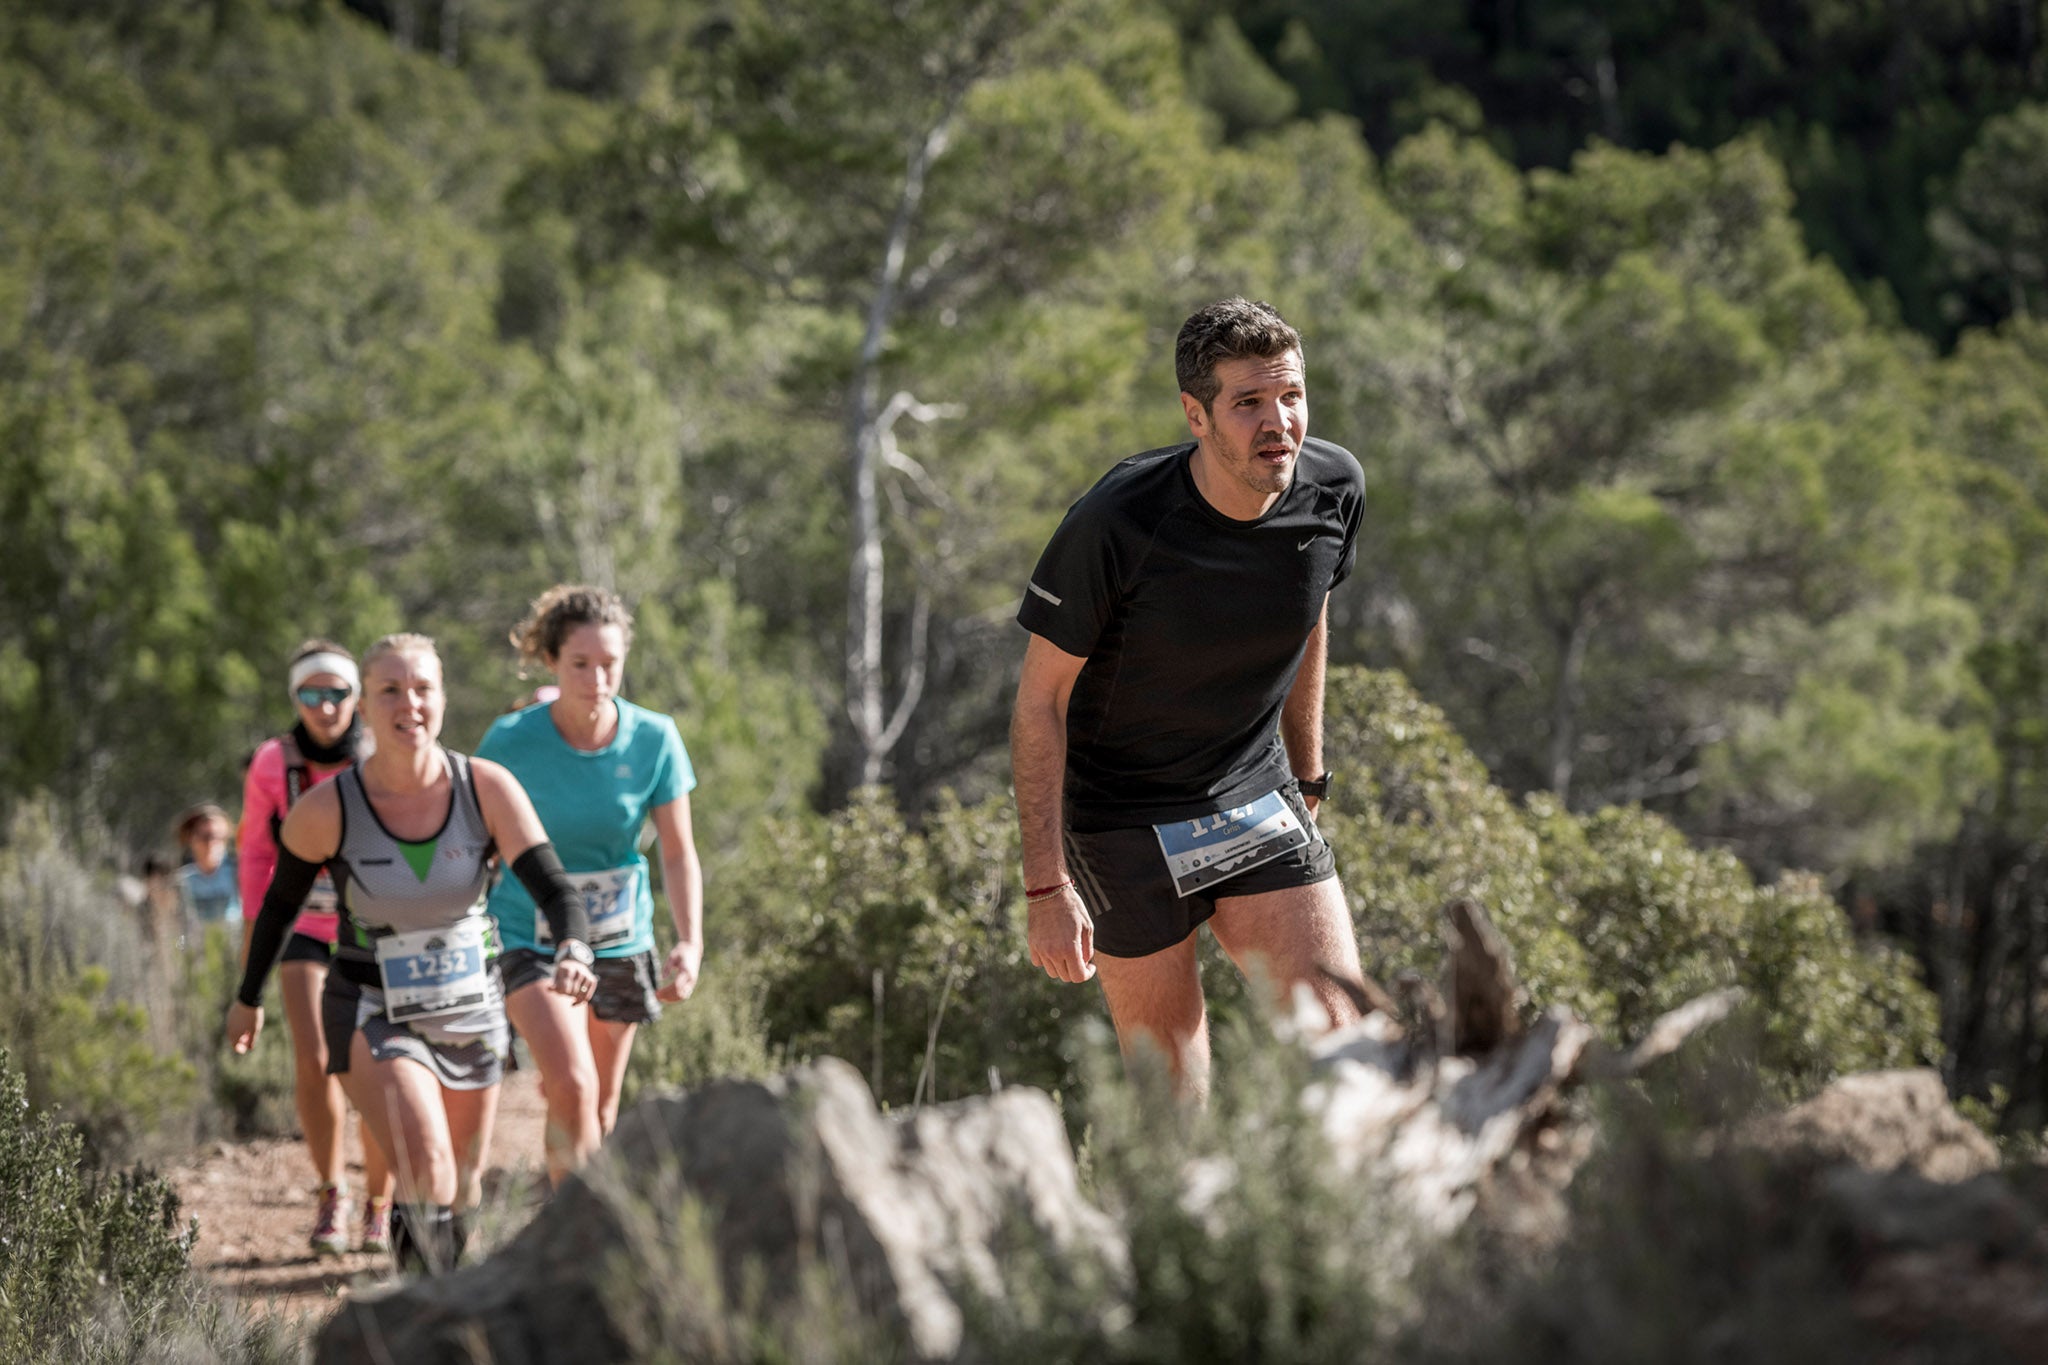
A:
[339,665]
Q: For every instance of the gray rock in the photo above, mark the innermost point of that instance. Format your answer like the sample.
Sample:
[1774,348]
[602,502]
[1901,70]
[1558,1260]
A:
[1881,1121]
[735,1202]
[1947,1271]
[797,1176]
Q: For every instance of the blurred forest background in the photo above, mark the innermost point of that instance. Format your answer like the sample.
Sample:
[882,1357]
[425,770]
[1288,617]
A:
[1693,352]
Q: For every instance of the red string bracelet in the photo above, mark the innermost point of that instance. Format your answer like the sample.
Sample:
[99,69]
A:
[1042,892]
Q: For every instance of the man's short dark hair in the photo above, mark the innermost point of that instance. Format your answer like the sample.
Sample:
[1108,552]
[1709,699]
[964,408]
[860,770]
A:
[1229,329]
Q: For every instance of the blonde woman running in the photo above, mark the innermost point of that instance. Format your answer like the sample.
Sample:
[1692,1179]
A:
[413,1014]
[598,769]
[328,736]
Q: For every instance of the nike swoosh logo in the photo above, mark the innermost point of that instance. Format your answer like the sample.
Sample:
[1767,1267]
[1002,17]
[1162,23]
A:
[1306,543]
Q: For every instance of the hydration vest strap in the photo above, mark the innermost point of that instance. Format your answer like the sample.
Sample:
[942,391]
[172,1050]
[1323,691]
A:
[296,772]
[296,769]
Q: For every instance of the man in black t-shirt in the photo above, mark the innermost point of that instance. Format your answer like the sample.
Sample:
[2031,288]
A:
[1167,737]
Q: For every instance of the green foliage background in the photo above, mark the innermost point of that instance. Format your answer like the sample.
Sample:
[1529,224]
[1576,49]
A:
[1705,513]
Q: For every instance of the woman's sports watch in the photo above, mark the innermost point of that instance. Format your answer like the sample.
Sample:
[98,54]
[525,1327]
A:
[574,950]
[1318,787]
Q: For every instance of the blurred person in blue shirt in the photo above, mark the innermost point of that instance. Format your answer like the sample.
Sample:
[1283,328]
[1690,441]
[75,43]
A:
[207,885]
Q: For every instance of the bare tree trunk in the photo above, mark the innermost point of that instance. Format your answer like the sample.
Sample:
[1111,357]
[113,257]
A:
[876,732]
[2026,1086]
[1564,699]
[1951,897]
[1608,86]
[875,1061]
[1980,925]
[451,31]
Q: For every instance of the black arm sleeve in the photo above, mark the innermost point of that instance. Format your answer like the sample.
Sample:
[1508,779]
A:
[539,870]
[288,888]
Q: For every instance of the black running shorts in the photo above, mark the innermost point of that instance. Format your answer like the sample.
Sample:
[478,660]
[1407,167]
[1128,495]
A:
[1122,878]
[625,985]
[306,948]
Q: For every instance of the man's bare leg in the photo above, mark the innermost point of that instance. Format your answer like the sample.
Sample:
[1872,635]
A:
[1300,935]
[1156,1004]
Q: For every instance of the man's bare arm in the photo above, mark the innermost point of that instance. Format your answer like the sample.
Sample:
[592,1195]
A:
[1301,716]
[1062,939]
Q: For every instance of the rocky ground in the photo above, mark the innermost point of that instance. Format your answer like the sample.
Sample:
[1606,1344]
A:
[255,1202]
[1871,1224]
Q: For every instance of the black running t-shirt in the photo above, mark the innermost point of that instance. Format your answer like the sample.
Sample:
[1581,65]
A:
[1193,625]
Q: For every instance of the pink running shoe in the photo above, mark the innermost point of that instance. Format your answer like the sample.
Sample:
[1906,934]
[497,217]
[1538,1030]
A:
[376,1226]
[329,1237]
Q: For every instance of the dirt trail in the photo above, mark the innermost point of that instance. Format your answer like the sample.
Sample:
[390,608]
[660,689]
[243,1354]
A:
[255,1204]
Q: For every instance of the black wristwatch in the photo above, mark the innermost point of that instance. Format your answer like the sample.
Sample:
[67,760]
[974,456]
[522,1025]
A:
[1318,787]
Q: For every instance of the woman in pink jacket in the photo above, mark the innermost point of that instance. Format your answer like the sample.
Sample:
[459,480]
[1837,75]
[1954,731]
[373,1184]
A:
[324,686]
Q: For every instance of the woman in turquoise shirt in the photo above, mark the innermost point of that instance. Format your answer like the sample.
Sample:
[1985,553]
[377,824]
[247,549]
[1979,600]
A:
[598,769]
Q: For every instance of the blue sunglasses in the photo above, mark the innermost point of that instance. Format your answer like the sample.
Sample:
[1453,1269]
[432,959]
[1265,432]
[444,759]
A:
[315,696]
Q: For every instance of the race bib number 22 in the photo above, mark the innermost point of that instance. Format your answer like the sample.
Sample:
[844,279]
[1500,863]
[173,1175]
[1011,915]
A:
[611,901]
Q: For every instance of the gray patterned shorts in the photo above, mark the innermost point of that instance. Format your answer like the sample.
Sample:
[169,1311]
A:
[466,1052]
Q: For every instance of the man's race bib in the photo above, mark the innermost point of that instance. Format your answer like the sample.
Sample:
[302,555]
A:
[610,900]
[434,971]
[1207,849]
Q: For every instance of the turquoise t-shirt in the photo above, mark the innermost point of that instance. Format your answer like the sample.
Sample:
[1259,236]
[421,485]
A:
[593,805]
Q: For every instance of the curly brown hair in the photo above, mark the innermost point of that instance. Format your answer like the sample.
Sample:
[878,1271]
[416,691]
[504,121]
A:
[539,636]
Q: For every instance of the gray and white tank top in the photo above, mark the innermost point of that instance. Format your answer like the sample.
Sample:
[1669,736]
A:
[391,885]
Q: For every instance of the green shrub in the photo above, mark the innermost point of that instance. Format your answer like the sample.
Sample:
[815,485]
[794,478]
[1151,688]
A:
[251,1096]
[1613,914]
[667,1295]
[1417,822]
[1242,1246]
[78,978]
[93,1264]
[1829,1005]
[115,1030]
[70,1229]
[903,950]
[719,1031]
[1245,1246]
[1663,922]
[94,1065]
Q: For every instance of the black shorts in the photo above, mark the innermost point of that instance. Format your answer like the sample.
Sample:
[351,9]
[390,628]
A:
[625,985]
[1122,879]
[306,948]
